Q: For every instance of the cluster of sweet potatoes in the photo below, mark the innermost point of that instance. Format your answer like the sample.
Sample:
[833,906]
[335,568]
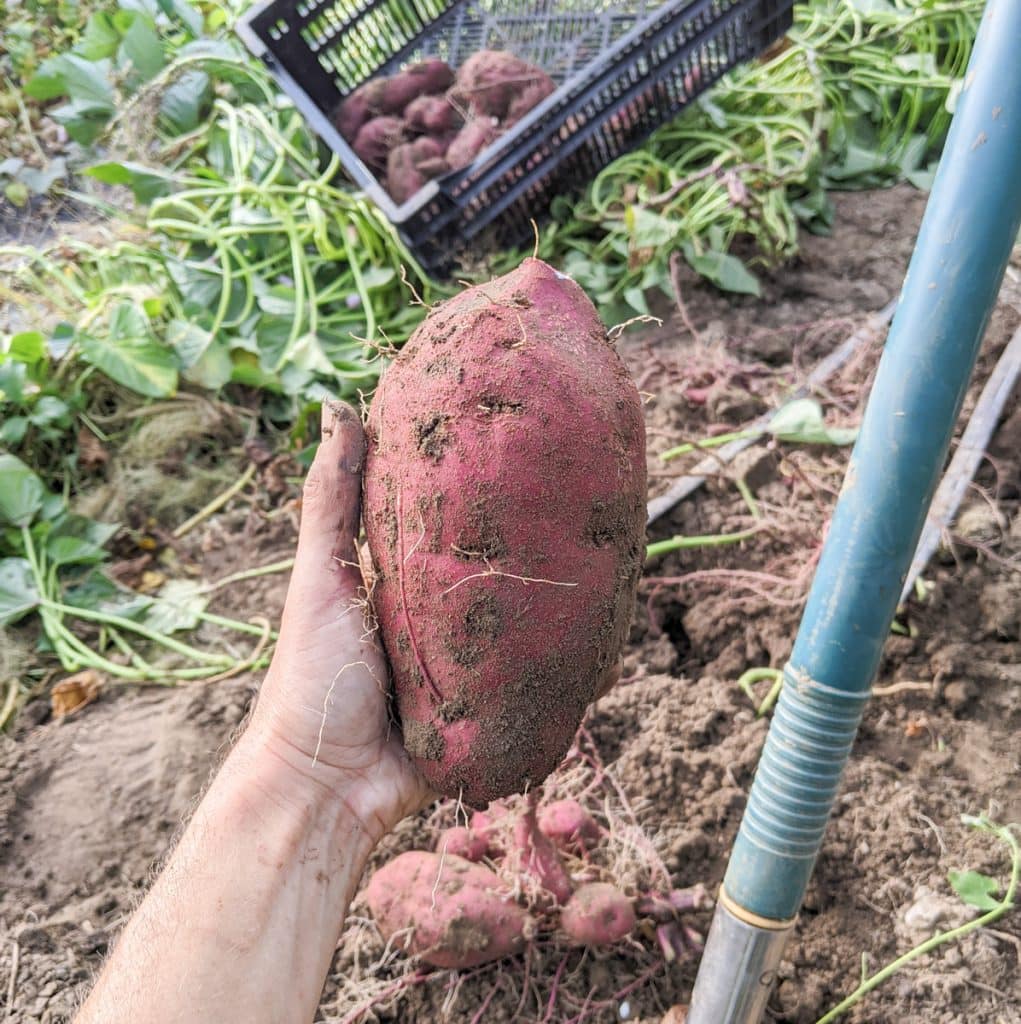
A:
[505,880]
[427,120]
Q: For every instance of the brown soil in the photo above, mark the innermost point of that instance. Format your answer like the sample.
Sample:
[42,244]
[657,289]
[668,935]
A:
[90,804]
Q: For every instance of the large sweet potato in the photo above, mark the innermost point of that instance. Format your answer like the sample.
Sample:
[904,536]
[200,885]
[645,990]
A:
[361,106]
[477,133]
[376,139]
[432,115]
[448,911]
[411,165]
[490,80]
[531,96]
[505,516]
[426,78]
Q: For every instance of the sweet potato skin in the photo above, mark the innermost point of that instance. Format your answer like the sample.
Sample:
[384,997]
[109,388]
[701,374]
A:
[410,165]
[568,825]
[477,133]
[432,115]
[490,80]
[536,857]
[531,96]
[358,108]
[505,514]
[376,139]
[426,78]
[598,914]
[463,842]
[448,911]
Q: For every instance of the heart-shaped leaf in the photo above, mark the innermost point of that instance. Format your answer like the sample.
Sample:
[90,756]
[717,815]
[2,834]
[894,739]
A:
[18,593]
[21,492]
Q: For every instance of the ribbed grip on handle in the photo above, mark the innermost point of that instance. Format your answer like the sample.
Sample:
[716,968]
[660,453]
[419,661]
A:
[807,747]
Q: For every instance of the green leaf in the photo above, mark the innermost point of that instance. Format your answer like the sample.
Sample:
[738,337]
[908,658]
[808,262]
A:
[100,593]
[184,12]
[49,409]
[188,340]
[142,365]
[802,422]
[12,381]
[649,230]
[147,183]
[21,492]
[142,48]
[28,347]
[18,592]
[13,430]
[78,540]
[179,605]
[100,38]
[185,101]
[635,298]
[86,83]
[975,889]
[213,369]
[725,271]
[48,82]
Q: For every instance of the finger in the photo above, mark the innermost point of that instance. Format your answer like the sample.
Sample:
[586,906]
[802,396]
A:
[326,560]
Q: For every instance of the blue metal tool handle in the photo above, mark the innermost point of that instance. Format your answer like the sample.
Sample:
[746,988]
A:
[970,225]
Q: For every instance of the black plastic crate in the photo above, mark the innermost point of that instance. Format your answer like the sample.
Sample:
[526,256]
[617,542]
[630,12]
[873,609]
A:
[622,69]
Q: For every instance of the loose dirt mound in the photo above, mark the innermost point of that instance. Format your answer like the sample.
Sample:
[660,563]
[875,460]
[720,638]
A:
[89,805]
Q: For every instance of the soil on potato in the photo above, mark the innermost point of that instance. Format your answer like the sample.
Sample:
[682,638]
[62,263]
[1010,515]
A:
[88,805]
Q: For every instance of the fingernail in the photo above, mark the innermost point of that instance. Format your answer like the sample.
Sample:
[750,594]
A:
[328,417]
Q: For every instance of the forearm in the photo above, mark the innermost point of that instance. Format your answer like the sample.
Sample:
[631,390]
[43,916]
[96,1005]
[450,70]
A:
[243,921]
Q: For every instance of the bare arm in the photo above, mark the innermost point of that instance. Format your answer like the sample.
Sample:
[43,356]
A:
[242,923]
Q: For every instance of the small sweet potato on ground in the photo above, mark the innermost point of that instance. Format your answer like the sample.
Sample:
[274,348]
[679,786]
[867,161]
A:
[489,81]
[448,911]
[598,914]
[377,138]
[535,857]
[462,842]
[427,78]
[568,825]
[476,134]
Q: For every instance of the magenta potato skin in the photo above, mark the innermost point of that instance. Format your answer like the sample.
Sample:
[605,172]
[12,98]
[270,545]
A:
[446,910]
[462,842]
[568,825]
[432,115]
[476,134]
[426,78]
[490,80]
[377,138]
[598,914]
[505,516]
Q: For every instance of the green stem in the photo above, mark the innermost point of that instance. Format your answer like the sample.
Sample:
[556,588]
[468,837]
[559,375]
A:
[755,675]
[120,622]
[249,574]
[940,938]
[749,499]
[710,442]
[661,547]
[240,627]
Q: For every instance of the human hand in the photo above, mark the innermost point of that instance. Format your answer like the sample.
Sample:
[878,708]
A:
[322,711]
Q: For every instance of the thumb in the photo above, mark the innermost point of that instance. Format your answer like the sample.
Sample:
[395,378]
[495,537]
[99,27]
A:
[326,562]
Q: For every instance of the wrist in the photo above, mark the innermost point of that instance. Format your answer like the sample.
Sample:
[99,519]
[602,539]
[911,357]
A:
[271,770]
